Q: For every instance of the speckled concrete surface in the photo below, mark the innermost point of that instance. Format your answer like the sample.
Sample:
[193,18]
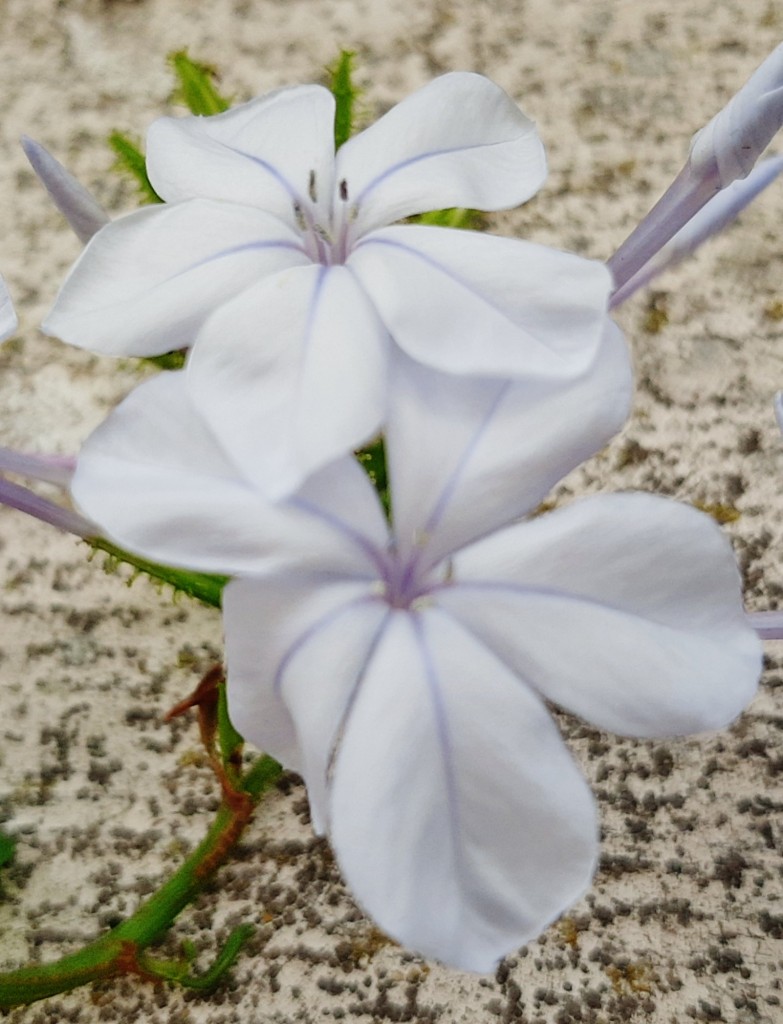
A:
[685,920]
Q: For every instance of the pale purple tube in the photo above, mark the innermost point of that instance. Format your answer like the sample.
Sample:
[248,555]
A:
[768,625]
[52,469]
[84,213]
[25,500]
[723,151]
[718,213]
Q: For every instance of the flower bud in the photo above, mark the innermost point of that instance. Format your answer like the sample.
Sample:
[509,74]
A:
[80,209]
[731,143]
[719,212]
[723,151]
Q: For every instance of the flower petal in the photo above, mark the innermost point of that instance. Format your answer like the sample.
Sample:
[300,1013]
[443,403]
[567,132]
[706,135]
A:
[625,609]
[458,141]
[469,303]
[270,153]
[8,319]
[297,647]
[145,282]
[488,451]
[458,817]
[156,480]
[291,374]
[296,641]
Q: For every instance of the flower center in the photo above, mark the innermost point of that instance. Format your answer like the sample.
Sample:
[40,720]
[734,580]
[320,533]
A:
[325,231]
[403,585]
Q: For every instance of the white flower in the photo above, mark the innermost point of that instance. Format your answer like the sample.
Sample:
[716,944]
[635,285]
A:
[8,319]
[405,673]
[272,257]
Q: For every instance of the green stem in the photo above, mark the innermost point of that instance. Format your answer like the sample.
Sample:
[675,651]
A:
[201,585]
[345,93]
[118,952]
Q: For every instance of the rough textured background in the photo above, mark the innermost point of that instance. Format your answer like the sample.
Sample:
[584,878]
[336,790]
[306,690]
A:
[685,920]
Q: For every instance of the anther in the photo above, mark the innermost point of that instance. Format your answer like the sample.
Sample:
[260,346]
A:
[300,220]
[344,190]
[311,187]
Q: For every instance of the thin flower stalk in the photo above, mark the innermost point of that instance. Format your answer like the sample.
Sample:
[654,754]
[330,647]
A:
[725,150]
[58,470]
[768,625]
[51,469]
[719,212]
[22,498]
[123,950]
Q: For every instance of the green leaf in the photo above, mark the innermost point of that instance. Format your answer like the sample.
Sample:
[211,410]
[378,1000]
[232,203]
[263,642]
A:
[169,360]
[372,459]
[7,849]
[456,217]
[196,85]
[179,972]
[345,95]
[130,160]
[230,741]
[122,951]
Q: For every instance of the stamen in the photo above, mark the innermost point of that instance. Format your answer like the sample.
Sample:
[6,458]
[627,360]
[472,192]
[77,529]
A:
[311,188]
[344,190]
[300,219]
